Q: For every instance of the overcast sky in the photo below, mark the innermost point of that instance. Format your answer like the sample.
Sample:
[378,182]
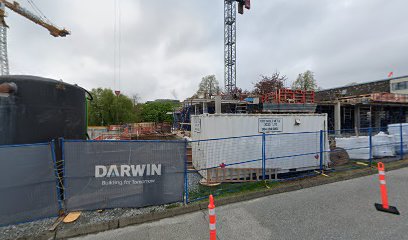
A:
[168,46]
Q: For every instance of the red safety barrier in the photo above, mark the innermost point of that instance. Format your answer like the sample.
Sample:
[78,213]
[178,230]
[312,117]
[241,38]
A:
[284,95]
[384,207]
[211,213]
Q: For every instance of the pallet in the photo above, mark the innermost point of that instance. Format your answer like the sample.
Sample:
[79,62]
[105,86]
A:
[232,175]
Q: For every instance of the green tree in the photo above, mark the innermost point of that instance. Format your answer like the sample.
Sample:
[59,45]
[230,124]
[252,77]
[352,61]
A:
[107,108]
[209,86]
[305,81]
[157,111]
[269,84]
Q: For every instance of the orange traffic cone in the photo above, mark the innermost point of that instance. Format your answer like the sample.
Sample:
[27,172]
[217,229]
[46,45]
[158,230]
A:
[211,213]
[384,207]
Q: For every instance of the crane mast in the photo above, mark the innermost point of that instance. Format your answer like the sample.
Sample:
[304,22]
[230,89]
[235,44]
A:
[230,37]
[15,6]
[4,66]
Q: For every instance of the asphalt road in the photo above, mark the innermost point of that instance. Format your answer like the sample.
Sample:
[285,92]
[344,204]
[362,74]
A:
[343,210]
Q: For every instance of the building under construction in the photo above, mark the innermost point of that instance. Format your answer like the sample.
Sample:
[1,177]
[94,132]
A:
[279,101]
[372,104]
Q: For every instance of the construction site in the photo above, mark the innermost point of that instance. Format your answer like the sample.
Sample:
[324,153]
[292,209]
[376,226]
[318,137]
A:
[63,172]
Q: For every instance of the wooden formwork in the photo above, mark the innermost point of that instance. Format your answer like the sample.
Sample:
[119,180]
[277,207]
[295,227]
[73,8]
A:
[220,175]
[284,95]
[190,159]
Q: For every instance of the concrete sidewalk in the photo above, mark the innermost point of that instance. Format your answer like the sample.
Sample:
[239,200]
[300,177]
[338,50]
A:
[342,210]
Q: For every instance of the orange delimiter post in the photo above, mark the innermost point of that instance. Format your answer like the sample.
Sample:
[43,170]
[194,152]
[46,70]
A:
[383,185]
[211,213]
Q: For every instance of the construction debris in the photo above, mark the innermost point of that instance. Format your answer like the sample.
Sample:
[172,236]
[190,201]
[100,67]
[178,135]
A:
[72,217]
[56,223]
[132,131]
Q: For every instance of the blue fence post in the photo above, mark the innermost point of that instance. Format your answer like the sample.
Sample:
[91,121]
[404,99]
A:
[263,155]
[54,159]
[401,143]
[185,172]
[370,145]
[62,145]
[321,149]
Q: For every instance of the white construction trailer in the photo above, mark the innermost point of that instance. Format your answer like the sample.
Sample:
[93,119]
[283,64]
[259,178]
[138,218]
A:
[292,142]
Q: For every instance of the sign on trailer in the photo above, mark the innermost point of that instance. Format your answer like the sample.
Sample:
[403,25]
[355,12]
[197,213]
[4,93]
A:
[267,125]
[197,125]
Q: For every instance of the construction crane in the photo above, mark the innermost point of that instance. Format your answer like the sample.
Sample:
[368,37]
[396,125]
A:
[230,36]
[15,6]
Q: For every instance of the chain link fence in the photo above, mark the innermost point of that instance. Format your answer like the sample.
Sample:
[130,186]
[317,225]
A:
[273,158]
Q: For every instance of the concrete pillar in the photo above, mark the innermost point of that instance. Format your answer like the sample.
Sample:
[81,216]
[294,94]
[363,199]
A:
[357,118]
[337,117]
[218,105]
[377,116]
[205,108]
[370,117]
[406,115]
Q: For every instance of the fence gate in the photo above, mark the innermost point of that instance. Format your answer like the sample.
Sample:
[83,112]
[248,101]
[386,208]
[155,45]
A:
[114,174]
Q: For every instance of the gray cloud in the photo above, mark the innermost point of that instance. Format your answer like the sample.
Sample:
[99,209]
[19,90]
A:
[167,48]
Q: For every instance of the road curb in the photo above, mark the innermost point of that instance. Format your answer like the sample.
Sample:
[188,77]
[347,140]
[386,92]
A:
[86,229]
[200,206]
[42,236]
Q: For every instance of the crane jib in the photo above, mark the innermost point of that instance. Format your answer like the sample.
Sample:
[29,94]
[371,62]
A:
[40,20]
[15,6]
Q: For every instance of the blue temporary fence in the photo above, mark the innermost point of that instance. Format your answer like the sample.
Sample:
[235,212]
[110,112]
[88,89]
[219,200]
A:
[110,174]
[282,152]
[301,152]
[114,174]
[28,186]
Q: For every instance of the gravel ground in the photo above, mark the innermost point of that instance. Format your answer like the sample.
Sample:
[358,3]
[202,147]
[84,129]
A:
[87,217]
[24,229]
[193,181]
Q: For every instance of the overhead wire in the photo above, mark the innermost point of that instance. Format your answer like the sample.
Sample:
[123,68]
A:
[39,12]
[117,44]
[114,44]
[34,9]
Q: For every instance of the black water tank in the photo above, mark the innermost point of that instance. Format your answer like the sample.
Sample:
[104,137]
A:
[40,110]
